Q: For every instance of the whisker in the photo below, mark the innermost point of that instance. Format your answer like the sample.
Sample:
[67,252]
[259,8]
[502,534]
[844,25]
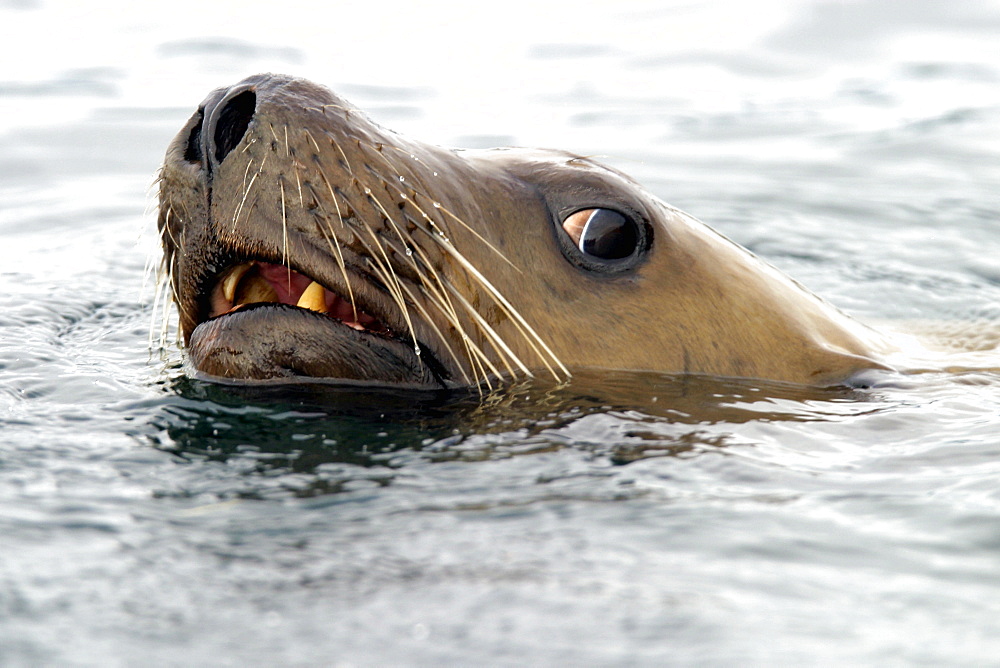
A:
[388,218]
[441,299]
[439,206]
[166,229]
[160,301]
[408,243]
[430,321]
[284,234]
[341,107]
[340,257]
[394,283]
[246,173]
[404,238]
[155,307]
[150,264]
[334,244]
[392,250]
[163,277]
[246,194]
[298,184]
[493,336]
[167,304]
[527,331]
[312,139]
[523,327]
[336,145]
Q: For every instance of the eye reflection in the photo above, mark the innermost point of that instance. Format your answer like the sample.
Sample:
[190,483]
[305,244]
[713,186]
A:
[602,233]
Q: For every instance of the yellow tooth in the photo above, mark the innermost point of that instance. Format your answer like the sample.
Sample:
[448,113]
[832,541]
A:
[254,289]
[232,279]
[313,298]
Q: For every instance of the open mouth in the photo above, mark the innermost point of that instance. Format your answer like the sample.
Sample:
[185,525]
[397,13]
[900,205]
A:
[265,321]
[258,282]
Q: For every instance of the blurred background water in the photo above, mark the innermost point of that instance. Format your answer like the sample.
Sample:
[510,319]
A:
[629,519]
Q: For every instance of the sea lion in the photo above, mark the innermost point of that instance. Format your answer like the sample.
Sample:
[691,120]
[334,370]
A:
[303,240]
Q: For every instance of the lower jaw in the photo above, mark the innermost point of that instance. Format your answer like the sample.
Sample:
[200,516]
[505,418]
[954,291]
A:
[278,342]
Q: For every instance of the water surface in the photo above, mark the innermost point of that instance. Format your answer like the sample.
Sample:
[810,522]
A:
[627,519]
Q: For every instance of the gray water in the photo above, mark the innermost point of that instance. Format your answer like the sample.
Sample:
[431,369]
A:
[148,518]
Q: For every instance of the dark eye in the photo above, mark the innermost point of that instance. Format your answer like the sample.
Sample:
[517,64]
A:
[602,233]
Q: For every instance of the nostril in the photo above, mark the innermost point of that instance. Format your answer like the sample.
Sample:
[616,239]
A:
[192,152]
[219,126]
[233,121]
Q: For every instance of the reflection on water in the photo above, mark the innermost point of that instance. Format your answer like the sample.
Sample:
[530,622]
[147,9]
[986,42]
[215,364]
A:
[613,417]
[621,519]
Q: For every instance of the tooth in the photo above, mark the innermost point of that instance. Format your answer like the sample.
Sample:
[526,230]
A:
[232,279]
[255,289]
[313,298]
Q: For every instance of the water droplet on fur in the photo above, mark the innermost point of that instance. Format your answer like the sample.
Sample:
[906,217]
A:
[402,179]
[416,349]
[437,205]
[409,252]
[368,191]
[435,173]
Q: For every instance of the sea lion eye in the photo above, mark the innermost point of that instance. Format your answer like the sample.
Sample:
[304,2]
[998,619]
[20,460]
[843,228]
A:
[602,233]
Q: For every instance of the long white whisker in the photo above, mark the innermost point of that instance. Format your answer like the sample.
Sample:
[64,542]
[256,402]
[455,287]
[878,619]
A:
[530,335]
[444,304]
[336,145]
[340,257]
[430,321]
[156,302]
[496,338]
[312,139]
[393,284]
[284,234]
[246,193]
[445,210]
[442,300]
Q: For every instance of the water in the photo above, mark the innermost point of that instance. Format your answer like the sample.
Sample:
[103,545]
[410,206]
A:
[148,518]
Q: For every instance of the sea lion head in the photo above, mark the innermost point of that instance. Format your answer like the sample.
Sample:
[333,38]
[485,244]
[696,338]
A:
[303,240]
